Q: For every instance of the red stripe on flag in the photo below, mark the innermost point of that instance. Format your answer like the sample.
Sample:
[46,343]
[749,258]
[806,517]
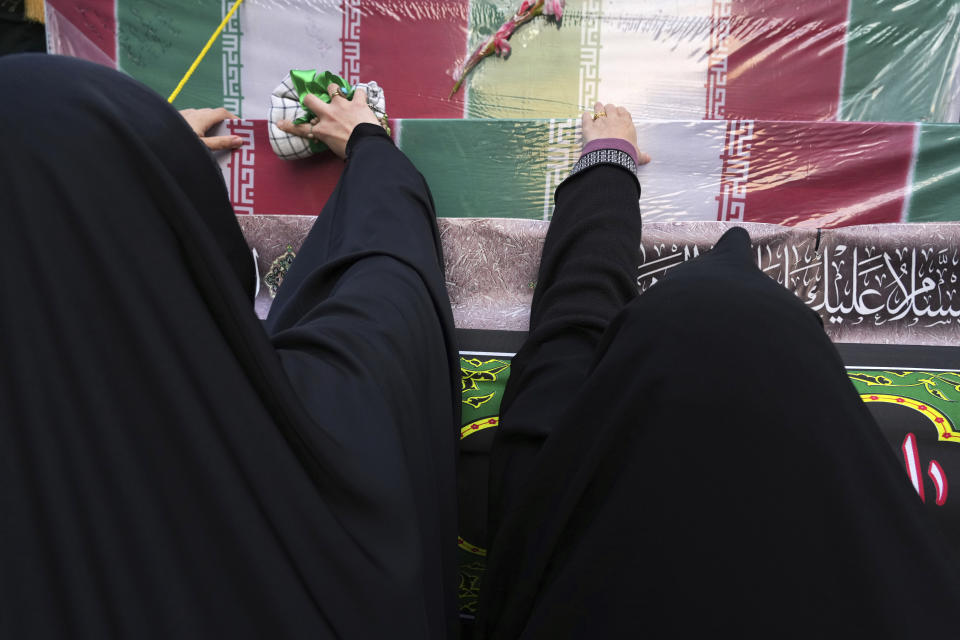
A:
[261,183]
[827,174]
[95,19]
[413,49]
[785,59]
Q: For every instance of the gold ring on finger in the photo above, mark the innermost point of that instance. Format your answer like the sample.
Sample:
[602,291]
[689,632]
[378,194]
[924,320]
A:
[338,92]
[599,114]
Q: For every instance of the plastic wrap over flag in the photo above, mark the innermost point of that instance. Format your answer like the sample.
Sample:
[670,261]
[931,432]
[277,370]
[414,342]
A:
[826,174]
[866,60]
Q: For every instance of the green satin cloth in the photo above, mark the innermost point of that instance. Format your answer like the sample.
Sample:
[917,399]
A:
[314,82]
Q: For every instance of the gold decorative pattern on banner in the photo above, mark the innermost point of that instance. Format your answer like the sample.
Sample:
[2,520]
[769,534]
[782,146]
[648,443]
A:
[471,574]
[472,548]
[939,421]
[929,383]
[470,377]
[476,401]
[479,425]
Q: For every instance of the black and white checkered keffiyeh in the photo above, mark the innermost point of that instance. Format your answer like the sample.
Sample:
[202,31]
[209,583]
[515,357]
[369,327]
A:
[285,105]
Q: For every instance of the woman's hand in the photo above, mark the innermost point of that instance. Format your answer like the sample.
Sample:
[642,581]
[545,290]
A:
[334,122]
[202,120]
[617,123]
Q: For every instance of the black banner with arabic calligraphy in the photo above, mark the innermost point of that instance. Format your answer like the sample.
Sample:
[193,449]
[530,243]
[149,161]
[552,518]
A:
[891,283]
[874,284]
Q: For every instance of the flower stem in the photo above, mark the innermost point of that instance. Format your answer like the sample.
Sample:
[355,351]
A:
[530,10]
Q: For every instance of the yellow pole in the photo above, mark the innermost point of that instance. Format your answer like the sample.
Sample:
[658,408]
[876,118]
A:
[203,52]
[33,10]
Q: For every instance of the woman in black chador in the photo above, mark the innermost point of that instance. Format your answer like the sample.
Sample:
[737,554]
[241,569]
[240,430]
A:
[654,473]
[172,468]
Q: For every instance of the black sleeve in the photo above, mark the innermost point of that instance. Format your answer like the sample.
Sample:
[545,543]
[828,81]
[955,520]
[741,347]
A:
[364,330]
[587,275]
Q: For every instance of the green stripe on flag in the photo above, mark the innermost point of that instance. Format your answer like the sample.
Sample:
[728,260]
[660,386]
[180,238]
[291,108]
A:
[158,41]
[478,168]
[901,59]
[936,176]
[540,78]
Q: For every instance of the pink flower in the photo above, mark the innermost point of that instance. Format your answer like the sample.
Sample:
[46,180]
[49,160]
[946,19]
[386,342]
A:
[499,39]
[497,43]
[553,8]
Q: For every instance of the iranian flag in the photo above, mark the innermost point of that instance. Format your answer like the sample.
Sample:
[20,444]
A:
[411,48]
[866,60]
[719,89]
[822,174]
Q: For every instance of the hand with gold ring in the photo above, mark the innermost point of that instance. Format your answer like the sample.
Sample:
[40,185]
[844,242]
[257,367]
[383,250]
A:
[334,122]
[611,121]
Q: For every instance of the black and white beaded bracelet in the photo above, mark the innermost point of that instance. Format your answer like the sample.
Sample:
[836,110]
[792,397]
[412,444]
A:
[605,156]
